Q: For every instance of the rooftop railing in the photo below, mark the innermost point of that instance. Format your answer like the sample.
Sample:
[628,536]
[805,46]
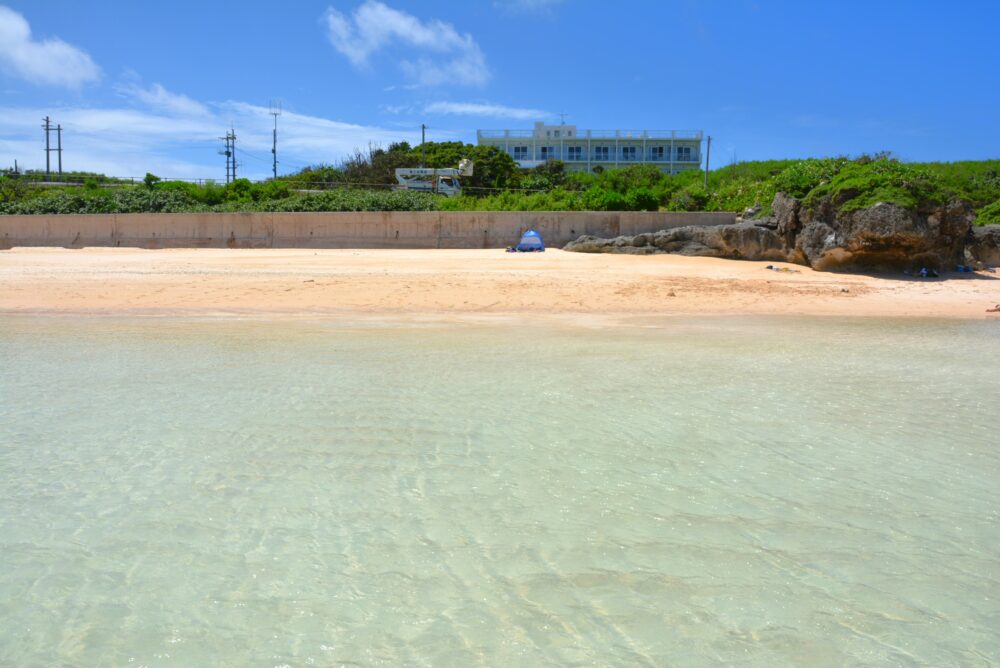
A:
[689,135]
[505,134]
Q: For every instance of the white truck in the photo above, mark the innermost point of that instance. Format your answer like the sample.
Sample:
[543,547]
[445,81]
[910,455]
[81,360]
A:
[430,180]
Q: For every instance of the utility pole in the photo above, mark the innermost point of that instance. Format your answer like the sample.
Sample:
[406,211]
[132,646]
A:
[708,154]
[48,128]
[230,153]
[275,111]
[423,139]
[59,144]
[232,149]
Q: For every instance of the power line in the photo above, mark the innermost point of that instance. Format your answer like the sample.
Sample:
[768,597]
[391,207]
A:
[251,155]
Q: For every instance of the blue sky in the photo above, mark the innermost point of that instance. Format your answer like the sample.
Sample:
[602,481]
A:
[144,87]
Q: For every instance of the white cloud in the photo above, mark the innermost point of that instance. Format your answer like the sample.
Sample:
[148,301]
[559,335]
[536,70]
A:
[159,98]
[489,110]
[131,142]
[389,89]
[50,62]
[306,139]
[447,56]
[396,109]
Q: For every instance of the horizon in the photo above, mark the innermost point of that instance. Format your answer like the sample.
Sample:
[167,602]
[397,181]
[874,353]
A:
[349,74]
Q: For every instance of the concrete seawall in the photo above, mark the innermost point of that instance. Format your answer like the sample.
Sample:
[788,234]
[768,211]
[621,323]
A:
[395,229]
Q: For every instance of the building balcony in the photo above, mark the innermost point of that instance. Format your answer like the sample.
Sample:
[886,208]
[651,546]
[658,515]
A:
[534,156]
[583,158]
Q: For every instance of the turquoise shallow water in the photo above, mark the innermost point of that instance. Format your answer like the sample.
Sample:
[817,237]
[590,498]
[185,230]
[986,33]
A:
[763,492]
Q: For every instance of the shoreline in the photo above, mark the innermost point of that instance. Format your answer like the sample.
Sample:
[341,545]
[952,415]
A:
[458,285]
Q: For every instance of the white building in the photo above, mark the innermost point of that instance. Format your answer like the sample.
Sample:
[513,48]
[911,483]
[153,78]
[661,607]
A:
[670,150]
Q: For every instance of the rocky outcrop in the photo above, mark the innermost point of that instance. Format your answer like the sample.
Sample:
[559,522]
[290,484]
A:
[881,237]
[887,237]
[742,242]
[786,217]
[983,246]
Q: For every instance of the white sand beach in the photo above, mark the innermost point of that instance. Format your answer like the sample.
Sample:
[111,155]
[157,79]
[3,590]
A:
[458,282]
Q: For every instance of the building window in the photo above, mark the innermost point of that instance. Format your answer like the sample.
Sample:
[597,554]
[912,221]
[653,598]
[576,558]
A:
[628,152]
[548,133]
[548,152]
[683,154]
[601,152]
[557,134]
[656,153]
[574,153]
[520,152]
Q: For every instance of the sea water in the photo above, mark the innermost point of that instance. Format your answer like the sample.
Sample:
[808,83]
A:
[689,492]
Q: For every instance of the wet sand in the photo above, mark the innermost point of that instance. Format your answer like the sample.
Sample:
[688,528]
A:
[489,283]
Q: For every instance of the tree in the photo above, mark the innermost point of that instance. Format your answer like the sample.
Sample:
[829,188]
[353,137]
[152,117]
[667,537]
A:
[492,169]
[546,176]
[377,166]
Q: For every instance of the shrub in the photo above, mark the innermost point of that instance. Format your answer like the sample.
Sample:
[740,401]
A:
[641,199]
[596,198]
[740,194]
[12,189]
[240,190]
[803,175]
[633,176]
[989,214]
[860,185]
[692,197]
[356,200]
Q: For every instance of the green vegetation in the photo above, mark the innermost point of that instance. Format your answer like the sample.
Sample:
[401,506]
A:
[363,183]
[376,168]
[239,196]
[989,214]
[859,185]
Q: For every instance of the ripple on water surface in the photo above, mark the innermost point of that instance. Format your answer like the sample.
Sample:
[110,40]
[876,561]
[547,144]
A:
[763,491]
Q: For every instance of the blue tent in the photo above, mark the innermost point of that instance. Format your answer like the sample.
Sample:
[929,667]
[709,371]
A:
[530,241]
